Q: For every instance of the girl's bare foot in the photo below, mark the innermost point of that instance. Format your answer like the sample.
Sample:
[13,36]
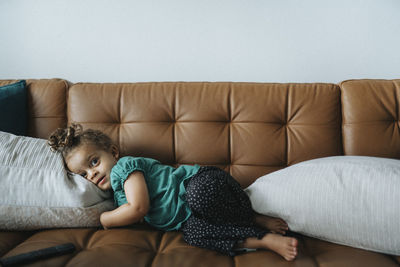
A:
[284,246]
[275,225]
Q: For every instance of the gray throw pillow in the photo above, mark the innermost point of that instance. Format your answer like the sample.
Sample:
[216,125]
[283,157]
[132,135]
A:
[36,191]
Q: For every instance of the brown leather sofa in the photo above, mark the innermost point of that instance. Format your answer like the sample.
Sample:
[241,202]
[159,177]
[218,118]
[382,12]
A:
[248,129]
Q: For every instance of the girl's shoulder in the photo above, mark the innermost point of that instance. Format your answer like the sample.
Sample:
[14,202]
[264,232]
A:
[138,160]
[129,164]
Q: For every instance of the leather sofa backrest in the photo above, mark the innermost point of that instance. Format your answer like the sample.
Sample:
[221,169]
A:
[248,129]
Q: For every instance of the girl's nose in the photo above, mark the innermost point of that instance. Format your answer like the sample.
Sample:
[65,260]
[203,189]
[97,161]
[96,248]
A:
[92,174]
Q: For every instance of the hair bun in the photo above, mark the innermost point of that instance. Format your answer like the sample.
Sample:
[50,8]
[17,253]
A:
[64,137]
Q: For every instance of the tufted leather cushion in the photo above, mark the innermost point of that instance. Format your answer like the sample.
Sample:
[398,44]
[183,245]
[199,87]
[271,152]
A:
[371,117]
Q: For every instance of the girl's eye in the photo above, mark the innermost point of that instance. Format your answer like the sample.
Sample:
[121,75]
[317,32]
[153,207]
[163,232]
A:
[94,162]
[83,174]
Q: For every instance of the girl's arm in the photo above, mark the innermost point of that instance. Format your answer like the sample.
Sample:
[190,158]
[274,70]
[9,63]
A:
[137,207]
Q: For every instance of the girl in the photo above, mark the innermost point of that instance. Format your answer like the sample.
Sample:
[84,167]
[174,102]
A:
[206,203]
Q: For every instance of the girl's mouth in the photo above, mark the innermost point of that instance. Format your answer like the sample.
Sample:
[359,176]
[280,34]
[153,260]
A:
[102,180]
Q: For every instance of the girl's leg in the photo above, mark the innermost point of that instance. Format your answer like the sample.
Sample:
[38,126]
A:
[225,238]
[284,246]
[222,216]
[214,195]
[275,225]
[219,237]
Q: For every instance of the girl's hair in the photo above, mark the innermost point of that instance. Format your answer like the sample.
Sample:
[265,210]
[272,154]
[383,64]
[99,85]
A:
[64,140]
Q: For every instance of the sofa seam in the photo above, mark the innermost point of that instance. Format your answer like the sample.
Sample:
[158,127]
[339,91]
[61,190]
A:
[230,126]
[286,128]
[174,122]
[68,86]
[396,90]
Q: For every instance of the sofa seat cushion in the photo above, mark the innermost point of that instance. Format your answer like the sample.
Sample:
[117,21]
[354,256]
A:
[142,246]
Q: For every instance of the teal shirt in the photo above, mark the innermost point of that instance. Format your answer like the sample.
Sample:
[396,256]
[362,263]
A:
[165,185]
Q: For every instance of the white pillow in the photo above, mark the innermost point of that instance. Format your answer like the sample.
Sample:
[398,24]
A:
[349,200]
[37,193]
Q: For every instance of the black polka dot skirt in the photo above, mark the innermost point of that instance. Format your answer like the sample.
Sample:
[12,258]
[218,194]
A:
[221,212]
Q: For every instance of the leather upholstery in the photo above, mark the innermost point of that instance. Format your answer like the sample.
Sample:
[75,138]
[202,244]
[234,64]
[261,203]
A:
[248,129]
[373,117]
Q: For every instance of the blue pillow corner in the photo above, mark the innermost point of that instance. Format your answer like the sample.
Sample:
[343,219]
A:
[13,108]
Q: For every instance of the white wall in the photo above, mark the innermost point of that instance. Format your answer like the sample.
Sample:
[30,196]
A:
[200,40]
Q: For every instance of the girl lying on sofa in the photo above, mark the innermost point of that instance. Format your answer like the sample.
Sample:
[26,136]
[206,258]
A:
[205,203]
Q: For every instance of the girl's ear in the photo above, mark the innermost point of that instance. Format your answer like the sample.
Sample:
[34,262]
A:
[115,151]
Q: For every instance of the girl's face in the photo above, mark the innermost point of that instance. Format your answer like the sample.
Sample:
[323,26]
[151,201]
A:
[93,163]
